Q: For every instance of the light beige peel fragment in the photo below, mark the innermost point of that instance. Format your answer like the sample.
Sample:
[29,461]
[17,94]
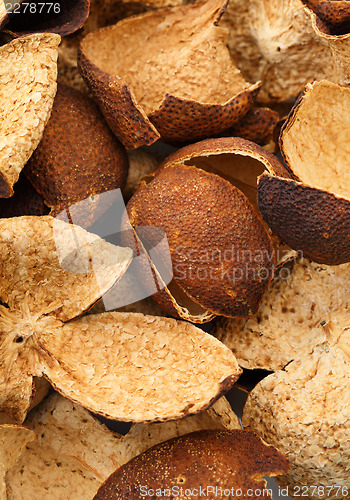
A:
[28,73]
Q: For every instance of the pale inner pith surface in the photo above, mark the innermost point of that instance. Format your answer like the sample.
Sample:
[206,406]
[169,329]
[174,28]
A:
[316,142]
[181,53]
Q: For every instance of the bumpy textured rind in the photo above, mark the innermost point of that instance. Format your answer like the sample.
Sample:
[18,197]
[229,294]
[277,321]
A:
[299,300]
[181,68]
[71,16]
[72,455]
[170,356]
[13,439]
[77,158]
[258,126]
[305,412]
[222,257]
[28,73]
[47,261]
[235,459]
[335,14]
[307,219]
[275,42]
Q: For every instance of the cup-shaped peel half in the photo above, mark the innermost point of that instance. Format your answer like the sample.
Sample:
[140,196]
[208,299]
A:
[166,74]
[222,256]
[310,210]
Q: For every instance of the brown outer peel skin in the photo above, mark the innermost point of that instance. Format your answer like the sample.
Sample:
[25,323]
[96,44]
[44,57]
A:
[175,200]
[131,126]
[232,459]
[334,13]
[306,218]
[183,120]
[78,157]
[258,126]
[70,19]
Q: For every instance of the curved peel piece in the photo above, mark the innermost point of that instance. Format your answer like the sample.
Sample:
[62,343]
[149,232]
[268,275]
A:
[183,84]
[312,212]
[275,42]
[50,261]
[131,362]
[224,260]
[13,439]
[28,73]
[77,158]
[298,302]
[304,410]
[230,460]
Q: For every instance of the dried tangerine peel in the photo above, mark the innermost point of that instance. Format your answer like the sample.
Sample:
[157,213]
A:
[298,302]
[169,355]
[28,73]
[41,293]
[275,42]
[172,52]
[73,454]
[77,158]
[312,212]
[13,440]
[179,196]
[227,459]
[304,410]
[64,18]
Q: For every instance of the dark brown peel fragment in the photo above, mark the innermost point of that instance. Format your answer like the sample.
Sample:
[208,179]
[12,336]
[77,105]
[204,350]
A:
[310,220]
[258,126]
[230,460]
[166,73]
[63,17]
[77,158]
[310,211]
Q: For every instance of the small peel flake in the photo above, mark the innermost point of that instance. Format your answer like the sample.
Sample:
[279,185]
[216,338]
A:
[28,73]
